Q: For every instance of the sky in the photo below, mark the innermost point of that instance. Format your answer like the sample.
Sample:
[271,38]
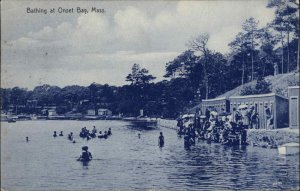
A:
[81,48]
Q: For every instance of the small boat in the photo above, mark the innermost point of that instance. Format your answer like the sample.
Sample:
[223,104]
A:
[10,120]
[142,121]
[289,149]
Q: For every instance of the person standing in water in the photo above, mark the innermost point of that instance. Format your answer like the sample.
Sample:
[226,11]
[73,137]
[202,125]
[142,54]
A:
[94,131]
[27,139]
[105,135]
[86,155]
[109,132]
[161,140]
[70,136]
[54,135]
[139,135]
[100,135]
[61,133]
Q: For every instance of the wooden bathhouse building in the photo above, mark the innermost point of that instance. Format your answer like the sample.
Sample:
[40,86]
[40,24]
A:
[217,103]
[294,109]
[277,105]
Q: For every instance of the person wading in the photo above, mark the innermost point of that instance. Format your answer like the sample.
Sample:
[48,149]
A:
[161,140]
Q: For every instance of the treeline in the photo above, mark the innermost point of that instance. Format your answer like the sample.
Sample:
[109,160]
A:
[156,99]
[197,73]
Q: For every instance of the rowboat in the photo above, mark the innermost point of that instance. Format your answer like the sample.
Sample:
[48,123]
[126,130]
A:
[141,121]
[289,149]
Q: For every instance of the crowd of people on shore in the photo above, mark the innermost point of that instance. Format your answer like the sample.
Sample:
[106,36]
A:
[225,128]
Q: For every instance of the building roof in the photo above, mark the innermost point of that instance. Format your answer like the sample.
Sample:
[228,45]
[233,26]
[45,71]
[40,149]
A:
[103,110]
[293,87]
[216,99]
[258,95]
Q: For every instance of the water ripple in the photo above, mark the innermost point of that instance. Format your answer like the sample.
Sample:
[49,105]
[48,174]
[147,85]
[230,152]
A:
[124,162]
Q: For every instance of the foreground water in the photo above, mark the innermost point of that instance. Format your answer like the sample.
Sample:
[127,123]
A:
[127,163]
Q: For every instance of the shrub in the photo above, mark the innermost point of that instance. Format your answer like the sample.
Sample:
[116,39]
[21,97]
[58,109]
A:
[247,90]
[293,81]
[261,87]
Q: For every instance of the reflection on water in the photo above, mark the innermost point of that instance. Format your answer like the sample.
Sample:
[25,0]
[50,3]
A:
[124,161]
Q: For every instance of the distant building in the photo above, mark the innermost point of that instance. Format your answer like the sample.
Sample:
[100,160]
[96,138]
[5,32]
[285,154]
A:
[294,109]
[91,112]
[52,112]
[104,112]
[44,111]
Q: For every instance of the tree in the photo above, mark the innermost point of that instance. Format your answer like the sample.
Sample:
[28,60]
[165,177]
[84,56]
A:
[218,73]
[135,96]
[70,96]
[268,59]
[18,97]
[93,89]
[262,86]
[199,44]
[46,94]
[251,34]
[182,65]
[5,98]
[239,46]
[139,76]
[286,23]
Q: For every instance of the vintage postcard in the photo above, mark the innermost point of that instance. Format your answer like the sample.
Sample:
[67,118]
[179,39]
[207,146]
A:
[149,95]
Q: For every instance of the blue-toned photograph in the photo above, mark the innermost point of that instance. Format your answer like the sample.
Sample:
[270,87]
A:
[150,95]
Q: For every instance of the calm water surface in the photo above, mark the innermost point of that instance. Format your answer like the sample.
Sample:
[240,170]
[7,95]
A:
[125,162]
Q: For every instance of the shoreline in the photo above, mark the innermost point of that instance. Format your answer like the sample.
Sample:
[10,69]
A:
[266,138]
[255,137]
